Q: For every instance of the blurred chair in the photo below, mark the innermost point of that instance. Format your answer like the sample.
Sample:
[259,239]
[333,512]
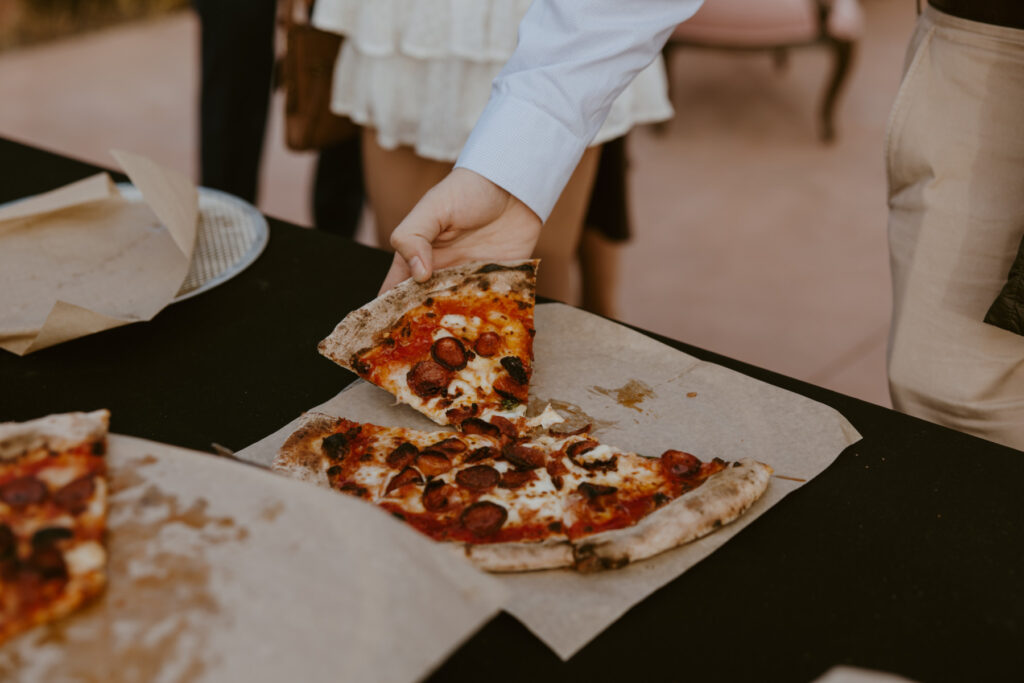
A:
[778,26]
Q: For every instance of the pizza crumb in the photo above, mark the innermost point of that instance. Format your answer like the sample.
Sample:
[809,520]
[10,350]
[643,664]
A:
[692,394]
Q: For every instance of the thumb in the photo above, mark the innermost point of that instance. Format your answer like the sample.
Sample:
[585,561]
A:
[413,238]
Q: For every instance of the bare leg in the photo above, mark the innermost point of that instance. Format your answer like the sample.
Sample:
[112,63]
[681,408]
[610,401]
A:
[559,240]
[395,180]
[599,273]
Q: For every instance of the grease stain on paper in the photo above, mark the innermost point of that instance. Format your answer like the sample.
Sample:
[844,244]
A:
[629,395]
[159,606]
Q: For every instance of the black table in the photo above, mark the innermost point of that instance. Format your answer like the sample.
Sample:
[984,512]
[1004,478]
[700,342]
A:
[906,555]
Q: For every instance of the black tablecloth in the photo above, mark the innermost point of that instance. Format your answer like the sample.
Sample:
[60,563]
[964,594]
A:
[906,555]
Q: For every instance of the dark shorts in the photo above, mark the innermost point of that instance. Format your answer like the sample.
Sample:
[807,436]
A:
[608,212]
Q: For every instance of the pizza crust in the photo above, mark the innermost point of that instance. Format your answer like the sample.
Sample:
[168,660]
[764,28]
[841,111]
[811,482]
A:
[718,501]
[298,458]
[53,432]
[520,557]
[364,327]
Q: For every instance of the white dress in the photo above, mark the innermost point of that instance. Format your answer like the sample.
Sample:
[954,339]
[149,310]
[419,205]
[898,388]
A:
[420,71]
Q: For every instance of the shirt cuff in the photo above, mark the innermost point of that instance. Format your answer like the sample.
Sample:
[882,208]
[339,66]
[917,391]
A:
[523,150]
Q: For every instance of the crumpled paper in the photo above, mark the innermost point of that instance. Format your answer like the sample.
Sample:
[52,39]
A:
[81,259]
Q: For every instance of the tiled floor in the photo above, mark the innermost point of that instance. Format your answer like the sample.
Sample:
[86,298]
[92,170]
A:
[752,238]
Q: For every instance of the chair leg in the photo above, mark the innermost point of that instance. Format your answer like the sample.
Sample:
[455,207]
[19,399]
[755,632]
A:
[842,51]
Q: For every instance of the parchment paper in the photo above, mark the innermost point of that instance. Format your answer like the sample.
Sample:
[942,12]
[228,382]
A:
[81,259]
[223,572]
[643,396]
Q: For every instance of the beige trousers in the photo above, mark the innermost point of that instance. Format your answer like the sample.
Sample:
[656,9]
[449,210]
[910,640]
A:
[955,162]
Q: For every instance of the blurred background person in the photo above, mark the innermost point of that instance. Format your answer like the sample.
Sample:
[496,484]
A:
[417,75]
[955,155]
[237,58]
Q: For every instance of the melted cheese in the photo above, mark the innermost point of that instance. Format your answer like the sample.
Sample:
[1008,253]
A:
[546,419]
[57,477]
[85,557]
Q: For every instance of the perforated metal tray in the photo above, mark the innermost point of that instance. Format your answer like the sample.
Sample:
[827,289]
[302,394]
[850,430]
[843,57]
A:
[231,235]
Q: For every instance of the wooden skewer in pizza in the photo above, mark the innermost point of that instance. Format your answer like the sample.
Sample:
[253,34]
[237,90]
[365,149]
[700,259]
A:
[512,492]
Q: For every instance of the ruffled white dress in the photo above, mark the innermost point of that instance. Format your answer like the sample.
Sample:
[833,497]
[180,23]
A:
[420,71]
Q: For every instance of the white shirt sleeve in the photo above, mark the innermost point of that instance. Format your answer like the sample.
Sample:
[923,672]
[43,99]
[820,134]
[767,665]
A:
[574,57]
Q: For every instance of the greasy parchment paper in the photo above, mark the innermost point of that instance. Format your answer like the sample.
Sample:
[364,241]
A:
[223,572]
[81,259]
[643,396]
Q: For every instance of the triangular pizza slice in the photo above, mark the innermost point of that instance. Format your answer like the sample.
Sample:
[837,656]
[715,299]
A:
[53,510]
[527,499]
[457,346]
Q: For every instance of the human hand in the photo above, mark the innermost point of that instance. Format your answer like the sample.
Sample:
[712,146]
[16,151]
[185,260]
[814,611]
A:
[463,218]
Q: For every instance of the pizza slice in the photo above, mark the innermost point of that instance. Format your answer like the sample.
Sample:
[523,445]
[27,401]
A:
[524,500]
[53,509]
[621,507]
[456,347]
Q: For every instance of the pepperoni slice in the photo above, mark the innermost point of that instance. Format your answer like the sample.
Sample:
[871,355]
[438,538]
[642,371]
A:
[460,414]
[478,478]
[488,344]
[23,491]
[433,463]
[336,446]
[475,425]
[578,448]
[436,495]
[516,369]
[353,489]
[402,456]
[449,352]
[450,446]
[513,479]
[482,453]
[483,518]
[75,496]
[592,491]
[680,464]
[50,536]
[506,387]
[8,542]
[428,378]
[404,478]
[507,427]
[556,467]
[525,457]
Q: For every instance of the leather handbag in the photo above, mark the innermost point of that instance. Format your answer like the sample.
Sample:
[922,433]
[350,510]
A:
[307,72]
